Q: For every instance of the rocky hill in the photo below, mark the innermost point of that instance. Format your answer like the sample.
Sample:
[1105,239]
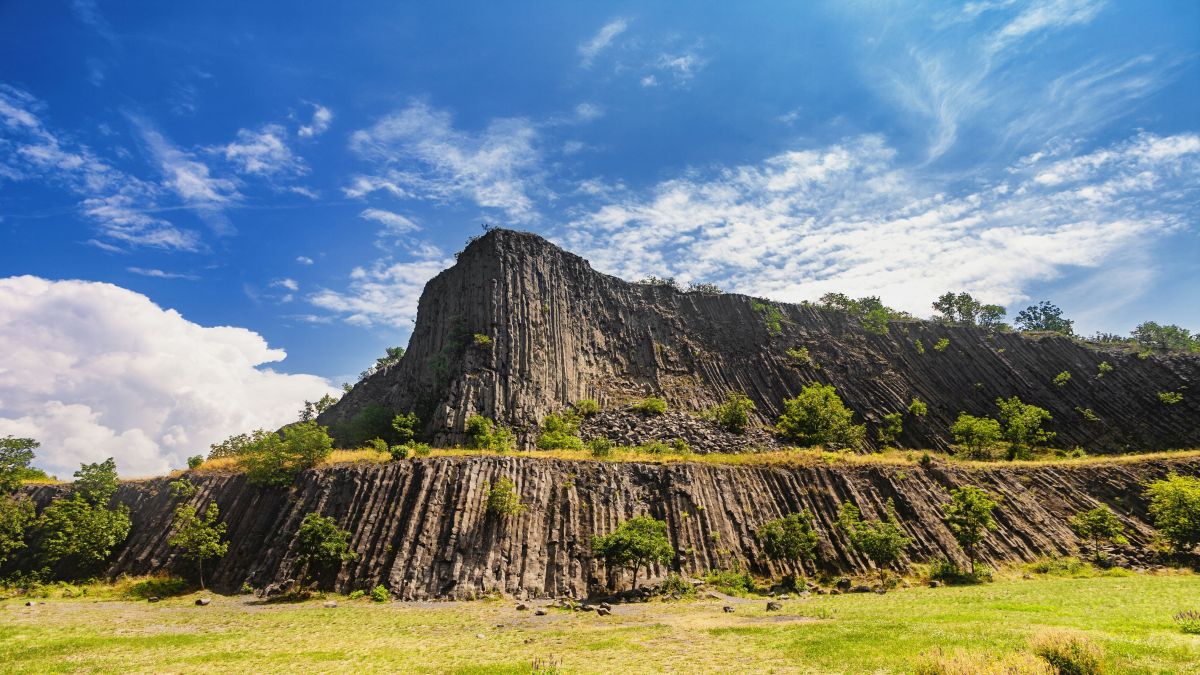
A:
[557,332]
[421,527]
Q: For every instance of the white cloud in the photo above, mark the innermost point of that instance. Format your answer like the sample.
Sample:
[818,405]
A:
[189,178]
[93,370]
[587,112]
[1043,15]
[304,260]
[264,152]
[683,66]
[649,81]
[847,218]
[160,274]
[601,40]
[393,223]
[386,294]
[289,284]
[497,168]
[321,119]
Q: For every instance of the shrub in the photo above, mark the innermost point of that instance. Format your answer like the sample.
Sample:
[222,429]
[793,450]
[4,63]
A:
[1098,525]
[182,488]
[1104,369]
[819,417]
[734,414]
[892,427]
[320,545]
[560,432]
[15,456]
[355,595]
[638,542]
[372,421]
[731,581]
[706,288]
[681,446]
[236,445]
[772,316]
[399,452]
[653,448]
[195,461]
[941,345]
[1023,426]
[1151,335]
[918,408]
[78,533]
[420,449]
[275,459]
[600,447]
[17,513]
[948,572]
[799,357]
[1175,510]
[380,594]
[938,662]
[1061,379]
[161,587]
[1066,566]
[882,541]
[502,498]
[1068,652]
[977,435]
[198,535]
[675,585]
[1044,316]
[405,427]
[1189,621]
[482,341]
[379,445]
[1170,397]
[920,346]
[485,434]
[652,405]
[586,407]
[790,538]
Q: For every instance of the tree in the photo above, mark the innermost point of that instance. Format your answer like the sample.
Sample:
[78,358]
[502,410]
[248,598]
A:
[883,541]
[502,498]
[969,517]
[484,434]
[97,483]
[15,456]
[16,515]
[790,538]
[406,426]
[80,531]
[371,421]
[198,536]
[275,459]
[964,309]
[1098,525]
[638,542]
[320,545]
[1023,426]
[819,417]
[312,409]
[560,432]
[734,414]
[892,427]
[1175,509]
[1151,335]
[977,434]
[236,445]
[1044,316]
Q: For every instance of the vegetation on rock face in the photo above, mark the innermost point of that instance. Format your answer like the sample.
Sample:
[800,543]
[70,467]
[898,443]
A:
[274,459]
[586,407]
[1044,316]
[1170,397]
[968,514]
[941,345]
[918,408]
[883,541]
[799,357]
[1150,335]
[560,432]
[483,433]
[1062,379]
[1175,510]
[200,536]
[871,312]
[320,546]
[502,498]
[892,427]
[313,408]
[734,414]
[819,417]
[372,421]
[790,538]
[638,542]
[391,357]
[1098,525]
[772,316]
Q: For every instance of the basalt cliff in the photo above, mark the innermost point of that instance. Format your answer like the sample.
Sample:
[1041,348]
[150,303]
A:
[557,332]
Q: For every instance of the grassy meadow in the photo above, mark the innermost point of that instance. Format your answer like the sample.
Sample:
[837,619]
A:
[109,630]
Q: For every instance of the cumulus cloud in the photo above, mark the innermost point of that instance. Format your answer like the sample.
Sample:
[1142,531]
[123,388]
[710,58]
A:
[601,40]
[419,153]
[847,218]
[321,119]
[93,370]
[385,294]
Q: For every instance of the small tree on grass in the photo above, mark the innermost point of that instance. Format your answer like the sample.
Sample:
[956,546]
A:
[790,538]
[883,542]
[977,435]
[819,417]
[1023,426]
[969,517]
[560,432]
[406,427]
[638,542]
[320,545]
[1175,509]
[1098,525]
[199,535]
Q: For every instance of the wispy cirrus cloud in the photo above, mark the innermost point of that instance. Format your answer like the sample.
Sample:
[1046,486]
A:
[591,48]
[160,274]
[322,118]
[393,223]
[385,293]
[263,153]
[189,178]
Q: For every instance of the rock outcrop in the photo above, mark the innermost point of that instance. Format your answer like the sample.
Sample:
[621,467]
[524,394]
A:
[558,331]
[420,527]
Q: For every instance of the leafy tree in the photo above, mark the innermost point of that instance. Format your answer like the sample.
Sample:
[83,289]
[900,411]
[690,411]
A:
[15,456]
[892,427]
[314,408]
[638,542]
[182,488]
[668,282]
[918,408]
[16,515]
[969,517]
[560,432]
[819,417]
[1023,426]
[195,461]
[790,538]
[96,483]
[320,545]
[275,459]
[198,536]
[502,498]
[1151,335]
[734,414]
[977,434]
[964,309]
[1175,509]
[706,288]
[78,536]
[484,434]
[371,421]
[405,426]
[883,542]
[1044,316]
[1098,525]
[236,445]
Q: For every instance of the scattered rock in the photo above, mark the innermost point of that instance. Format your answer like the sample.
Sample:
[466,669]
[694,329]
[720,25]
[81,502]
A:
[934,583]
[834,591]
[331,604]
[727,609]
[605,605]
[773,606]
[861,588]
[539,612]
[521,607]
[603,612]
[843,584]
[153,598]
[29,603]
[203,602]
[586,608]
[481,636]
[785,596]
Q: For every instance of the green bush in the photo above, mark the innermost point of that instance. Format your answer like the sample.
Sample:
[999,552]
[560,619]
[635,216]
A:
[1104,369]
[420,449]
[502,498]
[772,316]
[1098,525]
[378,445]
[651,405]
[799,357]
[372,421]
[1068,652]
[918,408]
[482,341]
[380,594]
[1023,426]
[636,543]
[162,587]
[1061,379]
[485,434]
[274,459]
[653,448]
[405,428]
[892,427]
[790,538]
[819,417]
[1175,510]
[948,572]
[358,594]
[675,584]
[1189,621]
[321,545]
[560,432]
[734,414]
[1065,566]
[882,541]
[731,581]
[1170,397]
[586,407]
[600,447]
[941,345]
[399,452]
[195,461]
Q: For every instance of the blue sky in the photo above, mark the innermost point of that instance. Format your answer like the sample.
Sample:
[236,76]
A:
[297,171]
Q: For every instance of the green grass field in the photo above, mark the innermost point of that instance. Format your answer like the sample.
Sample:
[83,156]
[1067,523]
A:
[1129,617]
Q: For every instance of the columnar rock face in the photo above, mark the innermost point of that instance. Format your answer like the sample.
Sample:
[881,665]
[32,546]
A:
[560,331]
[421,527]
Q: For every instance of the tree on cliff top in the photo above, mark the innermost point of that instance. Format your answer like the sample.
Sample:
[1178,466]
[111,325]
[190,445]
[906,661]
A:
[274,459]
[638,542]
